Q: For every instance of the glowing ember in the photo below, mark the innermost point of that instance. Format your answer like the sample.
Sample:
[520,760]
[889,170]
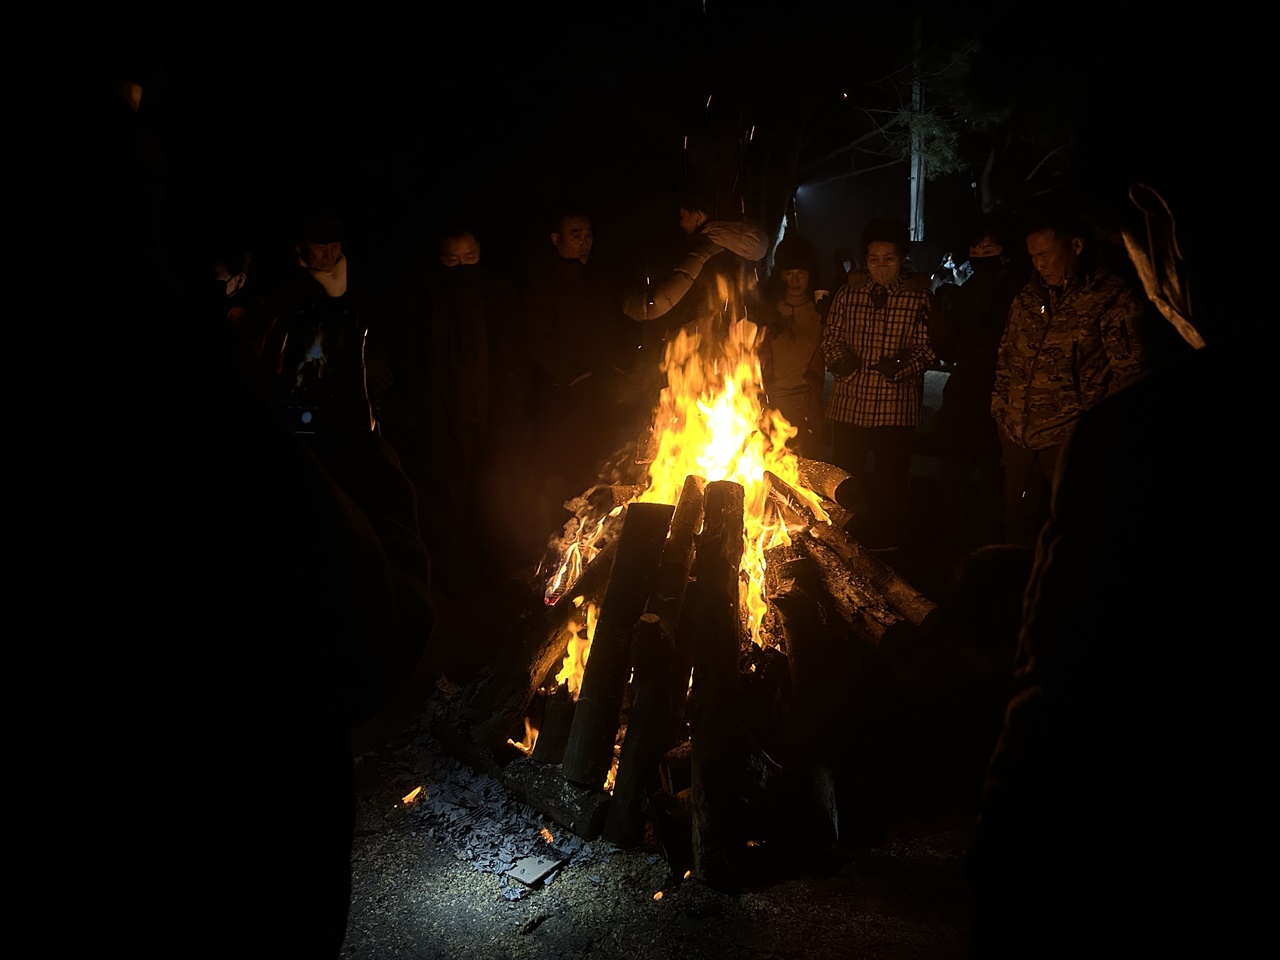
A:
[411,796]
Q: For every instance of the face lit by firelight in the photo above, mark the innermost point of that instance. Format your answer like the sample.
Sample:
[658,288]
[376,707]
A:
[321,257]
[574,238]
[884,262]
[797,283]
[1054,257]
[456,251]
[691,220]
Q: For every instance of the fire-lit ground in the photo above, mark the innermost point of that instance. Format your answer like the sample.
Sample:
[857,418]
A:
[429,873]
[430,884]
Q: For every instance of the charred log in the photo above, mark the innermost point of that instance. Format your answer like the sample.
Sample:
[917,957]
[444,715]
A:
[648,720]
[721,768]
[813,640]
[589,753]
[542,787]
[557,720]
[847,704]
[668,598]
[906,601]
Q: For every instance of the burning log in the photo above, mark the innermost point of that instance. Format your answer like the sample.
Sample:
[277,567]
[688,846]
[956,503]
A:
[647,725]
[720,762]
[543,647]
[668,597]
[832,483]
[589,753]
[906,601]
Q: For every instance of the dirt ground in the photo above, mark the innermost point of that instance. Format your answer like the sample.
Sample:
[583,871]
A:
[429,883]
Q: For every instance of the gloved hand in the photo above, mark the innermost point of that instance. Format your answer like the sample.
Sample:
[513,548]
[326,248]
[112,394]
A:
[846,363]
[887,367]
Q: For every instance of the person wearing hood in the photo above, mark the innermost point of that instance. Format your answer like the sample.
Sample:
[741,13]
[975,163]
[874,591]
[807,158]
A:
[876,344]
[709,287]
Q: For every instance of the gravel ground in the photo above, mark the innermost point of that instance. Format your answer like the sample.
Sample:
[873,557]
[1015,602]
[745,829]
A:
[429,883]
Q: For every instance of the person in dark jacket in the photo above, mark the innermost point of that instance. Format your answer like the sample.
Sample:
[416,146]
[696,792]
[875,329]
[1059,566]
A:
[964,331]
[583,347]
[1129,801]
[215,614]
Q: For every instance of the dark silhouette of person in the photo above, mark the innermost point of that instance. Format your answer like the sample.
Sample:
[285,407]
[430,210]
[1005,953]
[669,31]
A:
[583,347]
[457,406]
[965,328]
[215,612]
[1128,803]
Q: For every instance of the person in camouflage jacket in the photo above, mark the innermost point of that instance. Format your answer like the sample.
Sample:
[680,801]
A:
[1071,339]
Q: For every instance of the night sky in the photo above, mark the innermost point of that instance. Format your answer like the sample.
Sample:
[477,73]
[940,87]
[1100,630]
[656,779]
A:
[402,115]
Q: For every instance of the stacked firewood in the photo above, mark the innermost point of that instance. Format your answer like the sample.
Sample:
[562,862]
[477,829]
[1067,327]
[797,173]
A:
[722,747]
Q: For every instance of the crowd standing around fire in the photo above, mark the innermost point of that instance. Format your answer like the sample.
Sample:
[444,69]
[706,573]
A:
[384,448]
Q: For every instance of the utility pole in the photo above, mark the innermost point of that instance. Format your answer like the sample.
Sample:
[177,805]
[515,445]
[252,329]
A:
[916,220]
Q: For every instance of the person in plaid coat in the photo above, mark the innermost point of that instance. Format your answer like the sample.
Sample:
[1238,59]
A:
[876,344]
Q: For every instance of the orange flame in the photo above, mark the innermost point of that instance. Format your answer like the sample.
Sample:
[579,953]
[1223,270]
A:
[530,740]
[581,629]
[710,422]
[713,424]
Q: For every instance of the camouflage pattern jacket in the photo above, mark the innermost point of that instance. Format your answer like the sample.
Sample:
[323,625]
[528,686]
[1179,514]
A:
[1063,350]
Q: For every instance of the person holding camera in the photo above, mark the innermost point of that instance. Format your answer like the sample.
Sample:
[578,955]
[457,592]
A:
[876,344]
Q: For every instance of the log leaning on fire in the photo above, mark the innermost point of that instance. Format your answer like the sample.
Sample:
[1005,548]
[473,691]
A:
[652,652]
[589,752]
[905,600]
[668,597]
[721,763]
[543,646]
[814,631]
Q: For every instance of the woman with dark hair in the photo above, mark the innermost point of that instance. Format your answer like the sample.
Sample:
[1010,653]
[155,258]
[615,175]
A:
[790,348]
